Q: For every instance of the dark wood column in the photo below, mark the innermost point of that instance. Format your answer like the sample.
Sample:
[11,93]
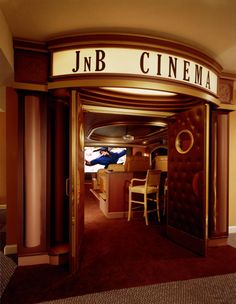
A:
[61,172]
[59,163]
[218,206]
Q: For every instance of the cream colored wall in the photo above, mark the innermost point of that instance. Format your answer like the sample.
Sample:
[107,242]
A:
[6,77]
[2,158]
[2,146]
[6,53]
[232,166]
[2,99]
[6,43]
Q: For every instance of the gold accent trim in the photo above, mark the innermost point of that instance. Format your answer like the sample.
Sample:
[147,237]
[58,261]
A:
[134,82]
[30,45]
[178,141]
[81,137]
[110,95]
[207,165]
[226,75]
[67,187]
[229,107]
[30,86]
[214,175]
[109,110]
[73,173]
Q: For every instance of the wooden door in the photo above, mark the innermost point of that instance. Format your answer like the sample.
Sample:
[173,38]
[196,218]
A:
[76,185]
[188,159]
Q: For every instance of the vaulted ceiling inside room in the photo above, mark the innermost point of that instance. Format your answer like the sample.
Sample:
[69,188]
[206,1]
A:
[111,117]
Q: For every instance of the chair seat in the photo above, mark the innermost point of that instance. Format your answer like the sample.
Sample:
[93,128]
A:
[150,186]
[142,189]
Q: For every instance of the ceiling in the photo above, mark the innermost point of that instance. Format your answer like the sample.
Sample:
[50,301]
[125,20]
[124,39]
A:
[110,116]
[206,25]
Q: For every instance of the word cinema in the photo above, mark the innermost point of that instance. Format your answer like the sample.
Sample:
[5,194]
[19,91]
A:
[126,61]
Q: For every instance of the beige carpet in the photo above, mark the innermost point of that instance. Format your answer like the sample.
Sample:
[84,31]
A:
[210,290]
[7,268]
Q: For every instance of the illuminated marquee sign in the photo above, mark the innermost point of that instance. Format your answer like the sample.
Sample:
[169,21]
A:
[125,61]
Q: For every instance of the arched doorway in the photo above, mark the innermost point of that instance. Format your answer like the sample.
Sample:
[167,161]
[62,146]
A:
[190,89]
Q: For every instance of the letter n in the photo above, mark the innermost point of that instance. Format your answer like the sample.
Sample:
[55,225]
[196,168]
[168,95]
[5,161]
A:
[172,66]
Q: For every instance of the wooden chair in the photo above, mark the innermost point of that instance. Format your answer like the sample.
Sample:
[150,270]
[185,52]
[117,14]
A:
[149,189]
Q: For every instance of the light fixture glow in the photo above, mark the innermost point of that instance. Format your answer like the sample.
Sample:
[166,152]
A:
[128,138]
[139,91]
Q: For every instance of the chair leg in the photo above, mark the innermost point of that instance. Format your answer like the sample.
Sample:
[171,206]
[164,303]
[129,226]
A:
[145,210]
[165,202]
[158,209]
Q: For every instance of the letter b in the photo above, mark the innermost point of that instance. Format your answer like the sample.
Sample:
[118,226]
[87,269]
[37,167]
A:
[100,64]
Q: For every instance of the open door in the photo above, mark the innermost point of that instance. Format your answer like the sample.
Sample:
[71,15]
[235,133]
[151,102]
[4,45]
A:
[76,185]
[188,159]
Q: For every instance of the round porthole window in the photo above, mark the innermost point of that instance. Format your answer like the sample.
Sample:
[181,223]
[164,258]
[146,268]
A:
[184,141]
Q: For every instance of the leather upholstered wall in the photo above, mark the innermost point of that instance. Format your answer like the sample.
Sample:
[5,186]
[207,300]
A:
[187,178]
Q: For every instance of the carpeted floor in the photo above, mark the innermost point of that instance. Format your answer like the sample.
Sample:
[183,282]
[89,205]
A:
[2,227]
[211,290]
[117,255]
[7,269]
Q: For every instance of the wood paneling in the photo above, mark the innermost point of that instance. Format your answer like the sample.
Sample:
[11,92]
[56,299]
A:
[218,215]
[31,67]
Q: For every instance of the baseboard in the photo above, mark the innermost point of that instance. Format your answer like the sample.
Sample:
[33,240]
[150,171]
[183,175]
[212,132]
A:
[232,229]
[10,249]
[33,260]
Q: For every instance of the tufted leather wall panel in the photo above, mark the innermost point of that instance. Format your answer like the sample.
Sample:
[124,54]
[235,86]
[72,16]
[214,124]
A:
[187,176]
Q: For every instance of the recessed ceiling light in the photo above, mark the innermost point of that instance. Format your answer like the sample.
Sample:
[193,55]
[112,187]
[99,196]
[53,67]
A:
[128,138]
[139,91]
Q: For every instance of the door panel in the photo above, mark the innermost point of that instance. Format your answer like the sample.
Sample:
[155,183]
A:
[188,178]
[76,189]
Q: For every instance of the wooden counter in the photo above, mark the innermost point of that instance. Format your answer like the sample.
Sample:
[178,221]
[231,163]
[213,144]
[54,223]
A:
[115,203]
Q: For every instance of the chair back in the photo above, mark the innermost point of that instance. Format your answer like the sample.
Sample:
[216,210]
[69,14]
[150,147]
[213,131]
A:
[136,163]
[153,178]
[161,163]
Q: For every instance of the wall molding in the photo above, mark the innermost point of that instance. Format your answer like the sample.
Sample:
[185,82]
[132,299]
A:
[33,260]
[232,229]
[10,249]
